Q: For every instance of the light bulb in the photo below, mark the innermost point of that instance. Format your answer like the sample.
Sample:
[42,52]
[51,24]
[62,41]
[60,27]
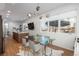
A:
[9,11]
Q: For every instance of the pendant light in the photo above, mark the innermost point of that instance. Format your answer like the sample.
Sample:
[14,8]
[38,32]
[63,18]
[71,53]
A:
[37,7]
[30,14]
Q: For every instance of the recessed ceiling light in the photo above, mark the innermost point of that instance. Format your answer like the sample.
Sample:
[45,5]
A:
[9,11]
[29,14]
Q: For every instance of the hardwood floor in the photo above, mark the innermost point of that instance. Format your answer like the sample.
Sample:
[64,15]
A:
[12,47]
[66,51]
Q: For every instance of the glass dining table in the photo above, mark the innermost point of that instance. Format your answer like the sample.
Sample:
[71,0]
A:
[44,41]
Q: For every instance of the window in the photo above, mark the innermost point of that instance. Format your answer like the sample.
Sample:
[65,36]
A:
[66,25]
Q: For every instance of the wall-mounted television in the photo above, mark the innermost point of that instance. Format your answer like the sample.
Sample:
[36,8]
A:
[31,26]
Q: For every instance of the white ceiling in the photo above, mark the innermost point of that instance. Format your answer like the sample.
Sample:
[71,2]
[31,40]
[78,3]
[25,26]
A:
[19,11]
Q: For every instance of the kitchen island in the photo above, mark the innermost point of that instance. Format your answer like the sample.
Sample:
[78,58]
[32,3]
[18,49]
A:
[19,35]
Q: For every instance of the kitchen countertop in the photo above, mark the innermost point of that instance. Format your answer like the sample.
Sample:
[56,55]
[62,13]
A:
[21,32]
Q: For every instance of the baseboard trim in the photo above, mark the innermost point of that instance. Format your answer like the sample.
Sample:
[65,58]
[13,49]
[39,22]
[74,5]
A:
[58,47]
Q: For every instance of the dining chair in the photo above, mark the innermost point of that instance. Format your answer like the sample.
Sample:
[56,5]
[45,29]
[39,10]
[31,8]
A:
[35,48]
[25,43]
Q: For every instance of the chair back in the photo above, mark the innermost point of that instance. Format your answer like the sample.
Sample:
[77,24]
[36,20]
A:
[23,41]
[31,44]
[44,40]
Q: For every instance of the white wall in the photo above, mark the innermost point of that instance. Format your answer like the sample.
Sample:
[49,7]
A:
[77,23]
[10,27]
[62,39]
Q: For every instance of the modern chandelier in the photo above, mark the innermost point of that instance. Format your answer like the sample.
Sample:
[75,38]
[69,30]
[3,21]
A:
[35,13]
